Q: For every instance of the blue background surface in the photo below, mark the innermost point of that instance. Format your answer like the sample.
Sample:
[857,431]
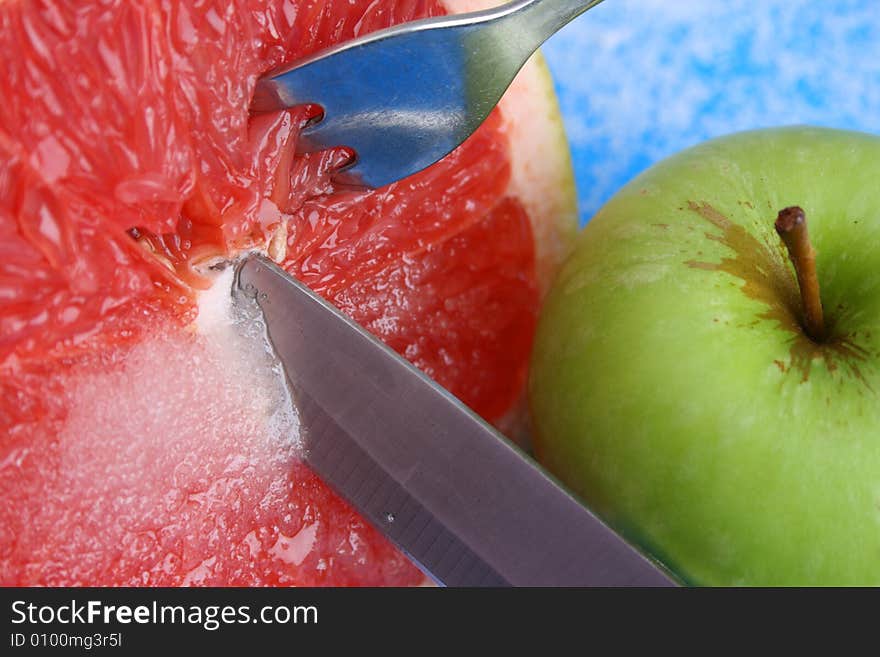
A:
[639,80]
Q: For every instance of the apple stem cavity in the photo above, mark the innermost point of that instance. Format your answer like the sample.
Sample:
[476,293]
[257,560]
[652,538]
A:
[791,224]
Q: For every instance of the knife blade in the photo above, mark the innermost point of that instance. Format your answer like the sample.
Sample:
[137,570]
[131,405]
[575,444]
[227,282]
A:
[452,493]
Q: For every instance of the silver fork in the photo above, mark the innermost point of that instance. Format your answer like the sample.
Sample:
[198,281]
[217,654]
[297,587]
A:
[404,97]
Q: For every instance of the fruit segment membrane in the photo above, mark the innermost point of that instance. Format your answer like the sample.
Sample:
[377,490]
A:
[143,441]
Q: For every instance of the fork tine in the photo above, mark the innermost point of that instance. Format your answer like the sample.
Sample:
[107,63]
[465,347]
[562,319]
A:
[380,103]
[405,97]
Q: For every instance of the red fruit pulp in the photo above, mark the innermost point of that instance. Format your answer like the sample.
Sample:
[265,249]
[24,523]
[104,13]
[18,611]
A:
[128,162]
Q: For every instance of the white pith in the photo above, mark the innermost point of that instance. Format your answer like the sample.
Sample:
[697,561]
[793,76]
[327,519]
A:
[541,175]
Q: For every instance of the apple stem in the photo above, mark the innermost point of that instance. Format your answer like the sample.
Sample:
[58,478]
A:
[791,224]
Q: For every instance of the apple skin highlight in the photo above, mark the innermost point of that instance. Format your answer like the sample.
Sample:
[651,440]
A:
[672,384]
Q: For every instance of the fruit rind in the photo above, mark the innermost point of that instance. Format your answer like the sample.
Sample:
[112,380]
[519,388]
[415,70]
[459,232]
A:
[545,183]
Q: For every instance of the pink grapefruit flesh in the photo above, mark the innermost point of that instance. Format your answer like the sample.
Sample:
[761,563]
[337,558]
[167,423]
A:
[140,444]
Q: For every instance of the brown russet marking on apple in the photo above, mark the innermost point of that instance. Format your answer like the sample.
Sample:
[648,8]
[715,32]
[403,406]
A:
[767,278]
[762,271]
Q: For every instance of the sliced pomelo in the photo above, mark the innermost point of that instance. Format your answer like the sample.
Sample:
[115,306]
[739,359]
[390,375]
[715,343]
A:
[140,447]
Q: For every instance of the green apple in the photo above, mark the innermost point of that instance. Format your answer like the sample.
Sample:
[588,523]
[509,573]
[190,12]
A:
[674,388]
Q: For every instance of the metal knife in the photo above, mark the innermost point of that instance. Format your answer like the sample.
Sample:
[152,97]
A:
[452,493]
